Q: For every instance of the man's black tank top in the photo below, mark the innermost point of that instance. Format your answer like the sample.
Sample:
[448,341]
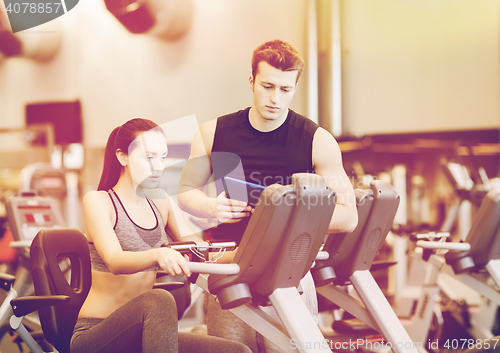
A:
[266,157]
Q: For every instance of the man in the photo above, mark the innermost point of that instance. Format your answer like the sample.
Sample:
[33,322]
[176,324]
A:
[271,142]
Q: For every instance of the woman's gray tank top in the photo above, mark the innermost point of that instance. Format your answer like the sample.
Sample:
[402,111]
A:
[131,236]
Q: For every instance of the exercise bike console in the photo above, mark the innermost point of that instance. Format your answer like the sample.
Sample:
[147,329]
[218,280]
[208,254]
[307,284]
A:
[28,213]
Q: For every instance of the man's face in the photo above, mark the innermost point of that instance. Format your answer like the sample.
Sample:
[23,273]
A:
[273,91]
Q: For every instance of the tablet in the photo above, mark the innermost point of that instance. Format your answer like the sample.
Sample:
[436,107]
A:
[241,190]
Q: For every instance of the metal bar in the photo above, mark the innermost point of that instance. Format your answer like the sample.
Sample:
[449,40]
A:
[391,328]
[473,282]
[312,61]
[266,325]
[336,70]
[306,335]
[352,305]
[15,323]
[493,268]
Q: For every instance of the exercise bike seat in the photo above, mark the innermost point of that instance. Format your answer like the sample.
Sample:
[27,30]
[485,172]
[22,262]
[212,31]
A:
[280,243]
[48,248]
[483,237]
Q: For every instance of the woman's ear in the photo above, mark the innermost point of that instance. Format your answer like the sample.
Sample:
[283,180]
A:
[122,157]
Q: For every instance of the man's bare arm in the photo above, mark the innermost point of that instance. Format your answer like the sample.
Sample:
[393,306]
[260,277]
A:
[327,161]
[197,175]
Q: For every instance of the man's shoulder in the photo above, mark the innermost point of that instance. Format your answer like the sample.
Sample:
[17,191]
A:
[209,128]
[232,118]
[302,122]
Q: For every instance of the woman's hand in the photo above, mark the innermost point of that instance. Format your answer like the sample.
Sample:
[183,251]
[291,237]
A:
[230,210]
[172,262]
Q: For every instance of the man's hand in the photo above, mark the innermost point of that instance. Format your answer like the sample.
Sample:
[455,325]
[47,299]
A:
[229,210]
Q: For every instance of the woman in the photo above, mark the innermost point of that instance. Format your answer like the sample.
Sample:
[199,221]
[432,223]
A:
[124,222]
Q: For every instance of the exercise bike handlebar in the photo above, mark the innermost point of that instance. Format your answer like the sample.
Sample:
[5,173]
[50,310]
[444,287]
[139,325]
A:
[189,247]
[322,255]
[443,245]
[213,268]
[16,244]
[432,236]
[202,248]
[435,241]
[186,247]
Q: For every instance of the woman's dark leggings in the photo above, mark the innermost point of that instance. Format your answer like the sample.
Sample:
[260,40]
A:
[146,324]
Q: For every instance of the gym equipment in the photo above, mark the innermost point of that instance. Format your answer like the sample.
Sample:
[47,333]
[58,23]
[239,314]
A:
[58,183]
[38,206]
[27,213]
[479,266]
[271,242]
[471,184]
[279,245]
[57,299]
[350,260]
[51,287]
[419,302]
[416,319]
[48,181]
[474,263]
[484,239]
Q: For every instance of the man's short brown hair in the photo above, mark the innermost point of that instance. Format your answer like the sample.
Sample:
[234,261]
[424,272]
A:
[279,55]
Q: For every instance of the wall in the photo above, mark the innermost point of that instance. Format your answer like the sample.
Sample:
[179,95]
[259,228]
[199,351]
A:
[118,75]
[407,66]
[425,65]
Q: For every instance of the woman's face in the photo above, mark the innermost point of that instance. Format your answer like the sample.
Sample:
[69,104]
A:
[147,159]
